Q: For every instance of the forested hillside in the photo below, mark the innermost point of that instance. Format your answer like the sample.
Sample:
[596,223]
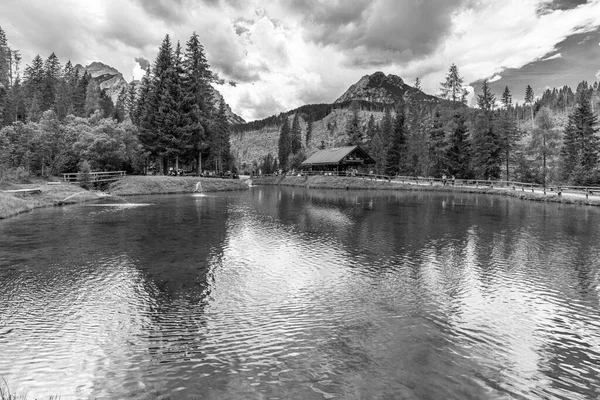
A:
[552,137]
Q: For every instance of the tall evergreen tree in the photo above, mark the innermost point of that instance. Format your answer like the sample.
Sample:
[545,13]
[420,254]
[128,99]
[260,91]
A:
[452,89]
[34,79]
[119,108]
[80,94]
[581,145]
[198,100]
[437,146]
[52,74]
[296,134]
[506,98]
[508,136]
[309,132]
[156,123]
[387,127]
[544,139]
[529,100]
[486,100]
[285,144]
[371,128]
[221,147]
[486,147]
[353,129]
[92,98]
[396,154]
[130,100]
[418,83]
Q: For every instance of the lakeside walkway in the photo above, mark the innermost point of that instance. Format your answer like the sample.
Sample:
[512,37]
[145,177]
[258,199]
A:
[528,191]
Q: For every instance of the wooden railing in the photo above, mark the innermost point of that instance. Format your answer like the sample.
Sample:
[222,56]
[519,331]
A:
[477,183]
[94,177]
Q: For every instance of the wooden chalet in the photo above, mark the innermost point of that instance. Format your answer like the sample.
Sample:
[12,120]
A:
[338,159]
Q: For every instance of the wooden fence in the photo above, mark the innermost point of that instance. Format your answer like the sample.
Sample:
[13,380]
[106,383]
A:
[423,180]
[94,177]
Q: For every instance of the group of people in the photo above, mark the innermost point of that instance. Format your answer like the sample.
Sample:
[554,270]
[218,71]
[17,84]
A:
[176,172]
[445,180]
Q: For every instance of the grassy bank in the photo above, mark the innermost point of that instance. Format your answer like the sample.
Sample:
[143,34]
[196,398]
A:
[14,203]
[139,185]
[48,195]
[334,182]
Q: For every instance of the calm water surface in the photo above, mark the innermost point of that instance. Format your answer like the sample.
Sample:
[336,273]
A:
[284,293]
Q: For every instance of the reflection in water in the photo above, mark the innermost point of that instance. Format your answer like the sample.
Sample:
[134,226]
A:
[289,293]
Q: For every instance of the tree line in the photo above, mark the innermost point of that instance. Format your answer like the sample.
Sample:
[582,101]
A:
[55,118]
[553,138]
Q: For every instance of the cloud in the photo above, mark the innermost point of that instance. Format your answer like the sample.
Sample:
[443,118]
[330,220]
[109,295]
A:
[552,57]
[143,63]
[380,32]
[495,78]
[284,53]
[598,75]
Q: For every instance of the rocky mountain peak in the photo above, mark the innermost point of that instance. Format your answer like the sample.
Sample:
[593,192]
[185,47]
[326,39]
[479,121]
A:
[377,87]
[96,69]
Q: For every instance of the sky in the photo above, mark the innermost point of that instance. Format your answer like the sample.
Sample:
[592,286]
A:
[277,55]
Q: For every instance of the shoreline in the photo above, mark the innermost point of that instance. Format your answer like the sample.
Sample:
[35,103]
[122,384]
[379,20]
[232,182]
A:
[345,183]
[60,194]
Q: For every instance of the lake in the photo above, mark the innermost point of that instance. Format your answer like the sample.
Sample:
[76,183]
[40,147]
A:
[289,293]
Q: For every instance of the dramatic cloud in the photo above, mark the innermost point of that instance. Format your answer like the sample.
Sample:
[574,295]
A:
[144,64]
[285,53]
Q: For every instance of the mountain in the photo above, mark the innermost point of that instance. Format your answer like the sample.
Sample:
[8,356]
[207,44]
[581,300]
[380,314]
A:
[232,117]
[107,78]
[112,80]
[387,89]
[371,95]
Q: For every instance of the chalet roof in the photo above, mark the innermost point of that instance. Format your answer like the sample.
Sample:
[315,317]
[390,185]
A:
[336,155]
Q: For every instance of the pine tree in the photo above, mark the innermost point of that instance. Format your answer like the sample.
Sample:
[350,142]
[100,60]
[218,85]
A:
[34,78]
[285,144]
[80,93]
[509,135]
[119,108]
[452,89]
[506,98]
[154,120]
[486,147]
[437,146]
[353,129]
[52,74]
[544,139]
[296,135]
[387,127]
[486,100]
[309,132]
[529,100]
[5,62]
[92,98]
[197,96]
[379,146]
[396,154]
[139,112]
[62,101]
[221,147]
[418,83]
[581,145]
[130,100]
[5,79]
